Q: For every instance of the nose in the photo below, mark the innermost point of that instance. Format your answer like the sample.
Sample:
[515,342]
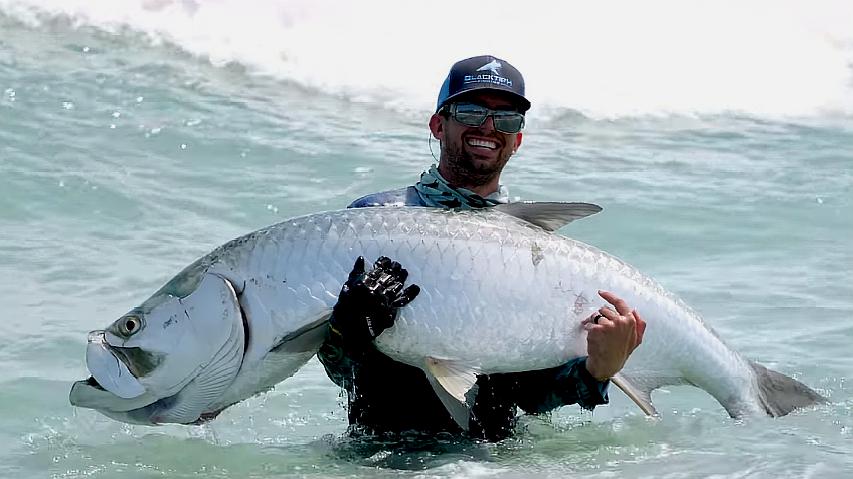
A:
[489,124]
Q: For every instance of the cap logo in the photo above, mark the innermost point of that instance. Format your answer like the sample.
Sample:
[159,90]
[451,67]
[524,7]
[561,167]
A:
[492,66]
[494,75]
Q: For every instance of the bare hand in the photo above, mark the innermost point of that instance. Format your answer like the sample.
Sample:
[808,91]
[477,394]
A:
[612,337]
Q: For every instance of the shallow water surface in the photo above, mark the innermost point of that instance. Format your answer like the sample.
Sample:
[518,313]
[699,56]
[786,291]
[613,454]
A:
[134,141]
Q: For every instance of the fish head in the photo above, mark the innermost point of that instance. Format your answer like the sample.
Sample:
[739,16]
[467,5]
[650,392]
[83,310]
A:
[169,359]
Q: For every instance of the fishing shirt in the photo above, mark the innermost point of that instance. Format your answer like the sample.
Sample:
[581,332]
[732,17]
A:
[389,397]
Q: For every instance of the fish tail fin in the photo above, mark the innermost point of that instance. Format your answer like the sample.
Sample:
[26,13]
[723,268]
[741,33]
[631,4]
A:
[780,394]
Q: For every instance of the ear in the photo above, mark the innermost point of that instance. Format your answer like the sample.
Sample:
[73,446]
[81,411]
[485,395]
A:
[518,137]
[436,126]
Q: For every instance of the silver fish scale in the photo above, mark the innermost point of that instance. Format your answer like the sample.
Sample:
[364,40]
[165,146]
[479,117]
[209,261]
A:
[496,292]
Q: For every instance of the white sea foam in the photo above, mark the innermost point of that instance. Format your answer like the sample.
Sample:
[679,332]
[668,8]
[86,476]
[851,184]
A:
[606,59]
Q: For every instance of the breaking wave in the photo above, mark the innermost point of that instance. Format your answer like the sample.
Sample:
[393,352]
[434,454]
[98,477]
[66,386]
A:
[606,60]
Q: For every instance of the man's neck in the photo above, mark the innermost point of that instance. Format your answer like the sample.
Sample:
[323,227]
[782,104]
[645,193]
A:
[483,189]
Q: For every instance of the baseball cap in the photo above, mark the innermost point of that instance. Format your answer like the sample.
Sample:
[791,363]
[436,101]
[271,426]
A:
[483,72]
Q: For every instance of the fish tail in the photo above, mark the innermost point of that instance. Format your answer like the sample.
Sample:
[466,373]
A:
[780,394]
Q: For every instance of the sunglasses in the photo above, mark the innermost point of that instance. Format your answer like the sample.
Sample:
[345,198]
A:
[470,114]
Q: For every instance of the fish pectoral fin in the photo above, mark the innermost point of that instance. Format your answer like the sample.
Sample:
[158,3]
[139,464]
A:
[308,338]
[549,215]
[640,396]
[453,377]
[455,384]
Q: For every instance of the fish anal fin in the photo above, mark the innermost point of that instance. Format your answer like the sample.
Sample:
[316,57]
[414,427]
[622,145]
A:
[455,385]
[549,215]
[642,397]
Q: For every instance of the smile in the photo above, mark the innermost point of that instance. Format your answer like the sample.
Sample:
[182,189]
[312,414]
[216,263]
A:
[482,143]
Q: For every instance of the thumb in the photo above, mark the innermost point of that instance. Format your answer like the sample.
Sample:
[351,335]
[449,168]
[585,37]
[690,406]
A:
[406,296]
[357,269]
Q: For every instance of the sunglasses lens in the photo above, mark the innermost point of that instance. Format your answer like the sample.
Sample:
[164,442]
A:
[470,114]
[508,122]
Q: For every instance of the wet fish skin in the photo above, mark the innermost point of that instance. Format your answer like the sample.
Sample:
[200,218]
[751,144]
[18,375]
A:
[498,294]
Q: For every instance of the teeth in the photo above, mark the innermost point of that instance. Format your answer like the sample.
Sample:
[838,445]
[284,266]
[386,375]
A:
[484,143]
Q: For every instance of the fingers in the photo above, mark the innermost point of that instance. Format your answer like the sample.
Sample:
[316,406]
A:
[594,318]
[357,269]
[621,306]
[388,277]
[402,274]
[394,290]
[622,311]
[379,279]
[613,337]
[383,262]
[607,314]
[411,292]
[391,267]
[406,296]
[641,327]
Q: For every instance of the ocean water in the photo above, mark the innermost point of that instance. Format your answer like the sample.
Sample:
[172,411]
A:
[136,136]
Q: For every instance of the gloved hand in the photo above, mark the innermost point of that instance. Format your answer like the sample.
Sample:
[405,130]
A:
[368,302]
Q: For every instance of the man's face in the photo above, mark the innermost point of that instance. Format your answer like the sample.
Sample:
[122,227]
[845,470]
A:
[475,155]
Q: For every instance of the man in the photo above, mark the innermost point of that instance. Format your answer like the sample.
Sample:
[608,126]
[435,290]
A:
[478,121]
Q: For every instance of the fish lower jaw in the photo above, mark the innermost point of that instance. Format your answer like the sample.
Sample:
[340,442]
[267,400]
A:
[94,383]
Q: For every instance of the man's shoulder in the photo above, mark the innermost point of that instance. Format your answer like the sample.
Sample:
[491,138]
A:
[406,196]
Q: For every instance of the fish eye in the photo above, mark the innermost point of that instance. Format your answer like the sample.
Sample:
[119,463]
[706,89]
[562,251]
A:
[129,325]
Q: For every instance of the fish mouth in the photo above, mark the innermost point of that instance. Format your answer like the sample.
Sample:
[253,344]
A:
[92,382]
[108,370]
[111,386]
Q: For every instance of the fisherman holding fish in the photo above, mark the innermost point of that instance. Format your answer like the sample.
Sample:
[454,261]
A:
[504,306]
[478,121]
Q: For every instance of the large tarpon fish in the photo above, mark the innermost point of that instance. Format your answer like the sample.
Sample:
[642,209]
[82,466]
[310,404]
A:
[500,292]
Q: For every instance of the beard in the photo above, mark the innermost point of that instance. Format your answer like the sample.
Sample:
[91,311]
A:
[467,171]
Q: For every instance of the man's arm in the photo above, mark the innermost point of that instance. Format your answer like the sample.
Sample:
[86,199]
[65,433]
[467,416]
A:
[544,390]
[339,366]
[493,415]
[367,305]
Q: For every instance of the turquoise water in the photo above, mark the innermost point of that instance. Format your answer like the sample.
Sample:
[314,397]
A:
[133,141]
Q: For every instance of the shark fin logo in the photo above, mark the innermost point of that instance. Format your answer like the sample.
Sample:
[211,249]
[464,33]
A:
[492,66]
[491,75]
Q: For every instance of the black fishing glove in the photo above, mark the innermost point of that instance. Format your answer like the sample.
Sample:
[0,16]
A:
[369,301]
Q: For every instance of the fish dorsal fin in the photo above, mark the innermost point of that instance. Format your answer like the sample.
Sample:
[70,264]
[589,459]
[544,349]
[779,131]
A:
[641,396]
[455,385]
[549,215]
